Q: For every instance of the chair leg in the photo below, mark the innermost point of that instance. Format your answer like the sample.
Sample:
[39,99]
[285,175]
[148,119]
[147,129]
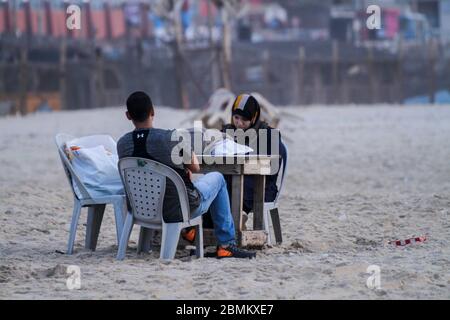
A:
[126,231]
[145,240]
[276,225]
[199,240]
[94,221]
[169,240]
[73,225]
[120,215]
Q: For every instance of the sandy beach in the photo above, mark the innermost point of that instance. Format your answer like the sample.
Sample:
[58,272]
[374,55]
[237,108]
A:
[358,177]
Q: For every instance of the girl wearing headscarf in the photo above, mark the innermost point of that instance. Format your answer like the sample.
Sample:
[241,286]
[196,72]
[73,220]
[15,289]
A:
[246,114]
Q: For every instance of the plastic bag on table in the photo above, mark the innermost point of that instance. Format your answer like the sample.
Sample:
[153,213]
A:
[229,147]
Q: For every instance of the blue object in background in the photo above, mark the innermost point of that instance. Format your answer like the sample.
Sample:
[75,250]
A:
[157,21]
[440,97]
[186,19]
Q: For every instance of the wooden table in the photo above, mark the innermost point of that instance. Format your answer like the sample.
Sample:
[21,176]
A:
[257,166]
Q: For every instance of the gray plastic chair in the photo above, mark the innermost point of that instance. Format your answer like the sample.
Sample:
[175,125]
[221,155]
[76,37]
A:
[145,186]
[96,206]
[271,208]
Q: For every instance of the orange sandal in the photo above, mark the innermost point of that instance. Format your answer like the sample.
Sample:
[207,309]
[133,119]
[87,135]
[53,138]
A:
[189,235]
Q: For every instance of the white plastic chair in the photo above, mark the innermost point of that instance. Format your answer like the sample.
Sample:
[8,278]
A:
[271,208]
[145,186]
[96,206]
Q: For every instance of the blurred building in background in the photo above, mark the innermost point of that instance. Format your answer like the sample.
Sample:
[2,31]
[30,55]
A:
[292,51]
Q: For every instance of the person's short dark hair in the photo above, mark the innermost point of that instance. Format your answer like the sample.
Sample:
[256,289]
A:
[140,106]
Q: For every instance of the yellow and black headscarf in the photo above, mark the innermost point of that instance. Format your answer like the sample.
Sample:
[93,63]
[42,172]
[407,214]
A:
[246,106]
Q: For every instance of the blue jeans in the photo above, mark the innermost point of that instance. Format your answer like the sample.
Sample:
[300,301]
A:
[214,196]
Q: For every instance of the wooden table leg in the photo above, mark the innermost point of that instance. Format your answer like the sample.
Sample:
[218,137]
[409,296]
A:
[237,193]
[258,202]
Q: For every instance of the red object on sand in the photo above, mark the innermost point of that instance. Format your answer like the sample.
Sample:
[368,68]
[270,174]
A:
[408,241]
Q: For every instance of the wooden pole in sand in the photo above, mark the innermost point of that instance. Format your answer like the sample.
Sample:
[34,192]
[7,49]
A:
[318,84]
[23,62]
[178,60]
[266,68]
[6,17]
[432,53]
[28,23]
[226,48]
[301,76]
[23,79]
[108,23]
[371,74]
[144,20]
[335,70]
[100,83]
[63,73]
[215,81]
[13,12]
[90,32]
[127,25]
[400,72]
